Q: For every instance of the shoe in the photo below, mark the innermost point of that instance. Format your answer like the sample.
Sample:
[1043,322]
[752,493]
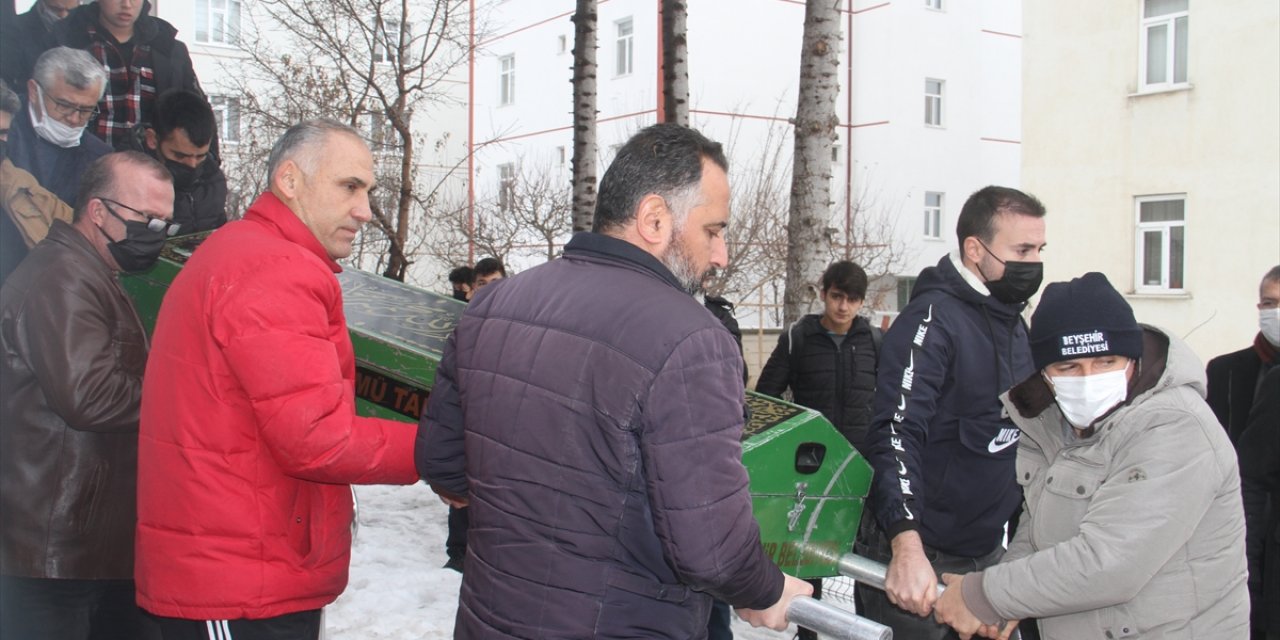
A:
[455,564]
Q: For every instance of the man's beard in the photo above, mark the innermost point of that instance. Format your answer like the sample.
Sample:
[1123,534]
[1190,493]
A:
[677,260]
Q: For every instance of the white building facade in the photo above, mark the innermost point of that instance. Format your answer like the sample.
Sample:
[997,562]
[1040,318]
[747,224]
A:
[1152,131]
[929,108]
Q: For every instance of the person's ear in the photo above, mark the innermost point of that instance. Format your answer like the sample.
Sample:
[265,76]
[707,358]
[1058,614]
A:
[152,143]
[287,180]
[973,249]
[654,220]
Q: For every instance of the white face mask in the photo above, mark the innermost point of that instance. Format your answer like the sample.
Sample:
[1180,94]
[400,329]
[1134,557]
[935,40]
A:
[53,130]
[1269,324]
[1084,399]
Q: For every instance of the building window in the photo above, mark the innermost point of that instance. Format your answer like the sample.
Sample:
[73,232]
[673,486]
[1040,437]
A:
[386,41]
[506,186]
[561,151]
[936,5]
[507,80]
[1161,249]
[227,111]
[382,133]
[905,285]
[564,44]
[932,215]
[933,102]
[1164,42]
[836,154]
[626,46]
[218,21]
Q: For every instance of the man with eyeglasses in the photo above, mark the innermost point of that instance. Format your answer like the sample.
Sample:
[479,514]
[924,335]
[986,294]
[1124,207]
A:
[48,138]
[74,352]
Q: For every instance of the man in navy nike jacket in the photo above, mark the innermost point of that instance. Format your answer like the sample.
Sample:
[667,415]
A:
[942,450]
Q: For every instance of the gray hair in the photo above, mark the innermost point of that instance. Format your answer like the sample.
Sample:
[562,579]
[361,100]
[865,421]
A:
[302,144]
[8,99]
[1273,275]
[74,66]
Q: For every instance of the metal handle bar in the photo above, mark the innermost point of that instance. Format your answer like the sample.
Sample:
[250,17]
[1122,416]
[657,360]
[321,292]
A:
[833,622]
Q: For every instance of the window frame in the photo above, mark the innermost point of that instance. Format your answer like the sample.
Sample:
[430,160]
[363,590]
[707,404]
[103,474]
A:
[624,59]
[934,5]
[1167,241]
[230,16]
[934,212]
[507,80]
[1169,22]
[506,186]
[224,107]
[935,103]
[386,40]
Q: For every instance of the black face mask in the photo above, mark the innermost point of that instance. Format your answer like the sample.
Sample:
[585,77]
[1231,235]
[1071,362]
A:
[184,177]
[1020,281]
[4,150]
[140,247]
[459,295]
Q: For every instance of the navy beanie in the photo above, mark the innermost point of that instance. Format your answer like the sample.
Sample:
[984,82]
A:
[1083,318]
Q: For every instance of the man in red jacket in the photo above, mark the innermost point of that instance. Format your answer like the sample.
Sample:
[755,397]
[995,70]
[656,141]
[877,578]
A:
[249,437]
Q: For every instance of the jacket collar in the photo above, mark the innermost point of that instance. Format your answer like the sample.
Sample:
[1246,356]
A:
[598,245]
[64,234]
[270,211]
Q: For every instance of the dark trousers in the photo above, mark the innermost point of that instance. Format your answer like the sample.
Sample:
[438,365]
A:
[303,625]
[875,605]
[456,543]
[62,609]
[718,627]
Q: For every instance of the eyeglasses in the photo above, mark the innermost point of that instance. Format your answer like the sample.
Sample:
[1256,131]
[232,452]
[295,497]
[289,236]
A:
[68,109]
[159,225]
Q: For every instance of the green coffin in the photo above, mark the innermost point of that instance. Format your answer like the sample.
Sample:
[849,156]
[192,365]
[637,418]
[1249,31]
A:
[807,482]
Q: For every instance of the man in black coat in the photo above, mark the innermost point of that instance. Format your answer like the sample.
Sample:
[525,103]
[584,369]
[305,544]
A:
[27,36]
[1234,377]
[143,57]
[181,136]
[828,360]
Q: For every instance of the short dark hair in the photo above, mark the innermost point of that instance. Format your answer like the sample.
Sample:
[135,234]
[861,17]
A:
[1273,275]
[981,208]
[186,110]
[847,277]
[662,159]
[489,266]
[100,179]
[462,275]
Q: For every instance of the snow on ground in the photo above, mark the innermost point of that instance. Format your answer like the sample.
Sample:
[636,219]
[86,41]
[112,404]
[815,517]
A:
[398,588]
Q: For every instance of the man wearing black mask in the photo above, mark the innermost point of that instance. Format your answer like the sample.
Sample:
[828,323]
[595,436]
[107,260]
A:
[942,450]
[181,136]
[70,392]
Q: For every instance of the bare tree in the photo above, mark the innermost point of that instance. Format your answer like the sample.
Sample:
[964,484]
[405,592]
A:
[808,225]
[675,62]
[372,64]
[530,217]
[584,114]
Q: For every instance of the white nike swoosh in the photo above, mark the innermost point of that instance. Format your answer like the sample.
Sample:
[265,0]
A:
[997,447]
[929,318]
[902,468]
[902,402]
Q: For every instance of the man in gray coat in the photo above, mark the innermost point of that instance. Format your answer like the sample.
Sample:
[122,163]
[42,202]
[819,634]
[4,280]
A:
[1133,525]
[590,411]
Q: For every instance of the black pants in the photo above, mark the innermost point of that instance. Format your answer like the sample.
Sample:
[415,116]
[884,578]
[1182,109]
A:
[303,625]
[456,543]
[875,605]
[62,609]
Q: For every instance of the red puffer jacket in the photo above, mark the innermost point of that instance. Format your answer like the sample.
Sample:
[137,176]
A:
[249,437]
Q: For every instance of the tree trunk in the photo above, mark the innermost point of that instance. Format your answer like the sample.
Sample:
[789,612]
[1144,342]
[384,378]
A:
[675,62]
[810,237]
[584,114]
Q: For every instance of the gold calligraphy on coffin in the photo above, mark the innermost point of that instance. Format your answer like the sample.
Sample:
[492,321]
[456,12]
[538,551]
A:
[390,309]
